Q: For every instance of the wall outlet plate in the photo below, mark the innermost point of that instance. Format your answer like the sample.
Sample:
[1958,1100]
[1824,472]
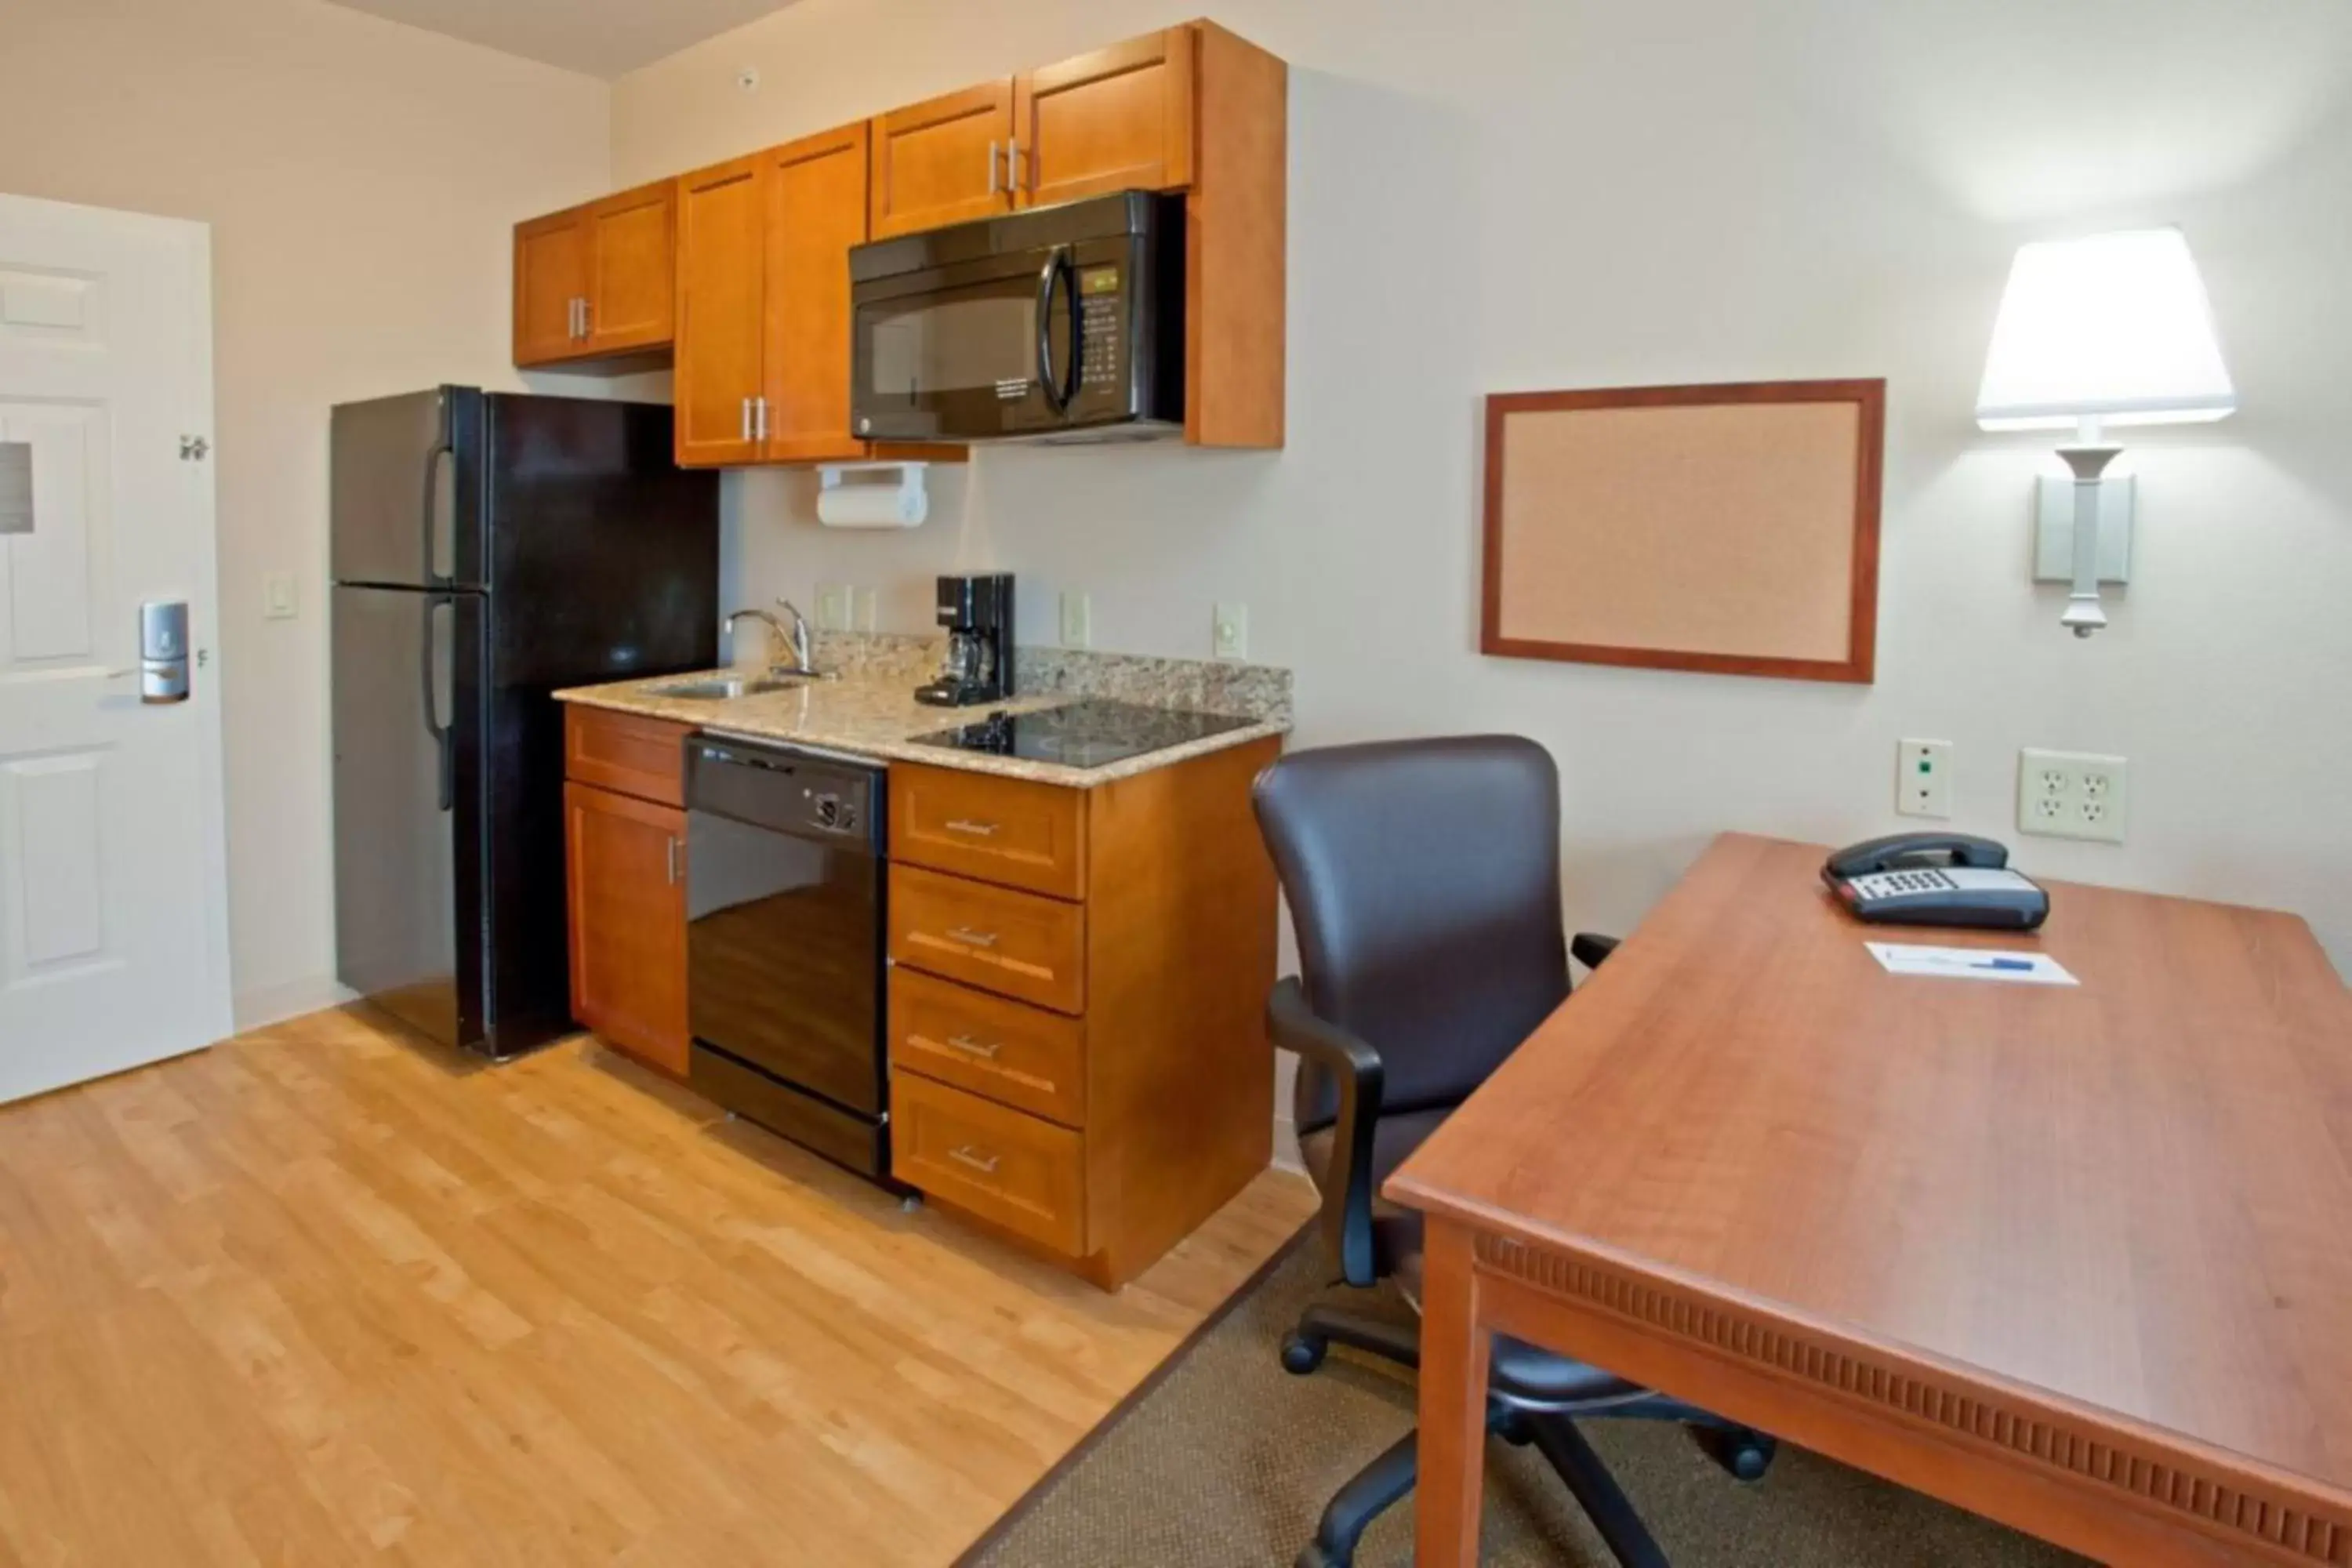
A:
[2053,533]
[2073,795]
[833,608]
[1923,778]
[1077,620]
[1229,632]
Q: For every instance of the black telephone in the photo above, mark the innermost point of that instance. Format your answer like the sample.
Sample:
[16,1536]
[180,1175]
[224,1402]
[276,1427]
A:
[1935,879]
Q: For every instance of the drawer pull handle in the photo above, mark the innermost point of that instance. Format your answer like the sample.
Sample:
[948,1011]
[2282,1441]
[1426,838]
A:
[965,1154]
[972,937]
[985,1050]
[977,829]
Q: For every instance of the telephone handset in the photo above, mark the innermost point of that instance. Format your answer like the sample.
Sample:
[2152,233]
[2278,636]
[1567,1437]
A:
[1934,879]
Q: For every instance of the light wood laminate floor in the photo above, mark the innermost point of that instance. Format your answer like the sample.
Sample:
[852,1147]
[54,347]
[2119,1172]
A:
[324,1295]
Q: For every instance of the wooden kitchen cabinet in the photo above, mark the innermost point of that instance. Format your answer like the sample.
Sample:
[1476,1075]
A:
[1119,119]
[625,876]
[763,328]
[816,210]
[1078,1056]
[943,161]
[722,223]
[596,282]
[1193,107]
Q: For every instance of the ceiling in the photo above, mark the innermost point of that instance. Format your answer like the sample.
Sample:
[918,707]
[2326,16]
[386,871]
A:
[601,37]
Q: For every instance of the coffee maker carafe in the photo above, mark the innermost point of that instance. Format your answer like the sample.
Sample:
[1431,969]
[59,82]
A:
[978,667]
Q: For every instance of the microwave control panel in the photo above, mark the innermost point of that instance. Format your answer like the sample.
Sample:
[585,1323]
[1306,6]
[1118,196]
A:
[1100,316]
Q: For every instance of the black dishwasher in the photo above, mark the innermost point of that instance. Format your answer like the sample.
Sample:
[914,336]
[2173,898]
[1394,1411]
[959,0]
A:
[785,944]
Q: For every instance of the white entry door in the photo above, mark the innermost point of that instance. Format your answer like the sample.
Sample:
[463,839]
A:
[113,912]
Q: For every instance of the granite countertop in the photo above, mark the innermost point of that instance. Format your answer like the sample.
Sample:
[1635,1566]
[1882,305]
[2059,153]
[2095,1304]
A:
[871,712]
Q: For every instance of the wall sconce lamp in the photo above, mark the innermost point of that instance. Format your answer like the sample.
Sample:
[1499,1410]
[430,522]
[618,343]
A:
[2112,330]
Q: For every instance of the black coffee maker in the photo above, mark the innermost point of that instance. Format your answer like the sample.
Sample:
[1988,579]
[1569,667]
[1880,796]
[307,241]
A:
[978,668]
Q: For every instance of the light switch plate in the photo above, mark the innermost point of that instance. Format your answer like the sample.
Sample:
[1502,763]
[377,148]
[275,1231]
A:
[833,602]
[1229,632]
[1923,778]
[1077,620]
[2072,794]
[277,600]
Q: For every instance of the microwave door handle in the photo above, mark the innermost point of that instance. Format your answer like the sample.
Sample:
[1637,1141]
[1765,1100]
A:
[1047,278]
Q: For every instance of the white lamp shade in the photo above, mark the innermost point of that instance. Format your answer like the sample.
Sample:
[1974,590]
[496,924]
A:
[2114,328]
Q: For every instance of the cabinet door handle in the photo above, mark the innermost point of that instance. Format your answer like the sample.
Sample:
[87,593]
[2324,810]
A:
[977,829]
[676,873]
[746,419]
[587,319]
[759,417]
[1015,161]
[985,1050]
[965,1154]
[993,182]
[971,937]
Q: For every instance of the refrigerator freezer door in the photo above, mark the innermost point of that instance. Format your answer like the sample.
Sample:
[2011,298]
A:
[405,482]
[408,871]
[604,555]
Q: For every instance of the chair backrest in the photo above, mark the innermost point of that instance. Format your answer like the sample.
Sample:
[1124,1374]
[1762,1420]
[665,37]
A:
[1424,883]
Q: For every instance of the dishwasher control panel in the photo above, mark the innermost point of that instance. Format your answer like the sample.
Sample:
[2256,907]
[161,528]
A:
[786,790]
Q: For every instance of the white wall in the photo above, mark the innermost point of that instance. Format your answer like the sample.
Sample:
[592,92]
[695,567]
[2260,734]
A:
[1510,194]
[361,179]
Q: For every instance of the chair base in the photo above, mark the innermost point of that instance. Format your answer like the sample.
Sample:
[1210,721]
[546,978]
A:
[1744,1453]
[1319,1328]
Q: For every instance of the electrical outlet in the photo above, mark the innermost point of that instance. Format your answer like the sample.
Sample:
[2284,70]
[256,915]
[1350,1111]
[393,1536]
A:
[1077,621]
[2072,794]
[1923,778]
[1230,632]
[278,602]
[833,602]
[863,606]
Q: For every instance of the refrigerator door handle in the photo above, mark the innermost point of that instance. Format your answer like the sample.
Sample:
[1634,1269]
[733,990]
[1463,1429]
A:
[446,756]
[434,579]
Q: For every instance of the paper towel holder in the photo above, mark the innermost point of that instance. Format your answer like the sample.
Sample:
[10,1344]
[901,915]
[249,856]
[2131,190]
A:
[876,499]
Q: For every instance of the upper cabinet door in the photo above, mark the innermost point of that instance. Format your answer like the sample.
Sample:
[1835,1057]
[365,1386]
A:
[551,285]
[632,289]
[816,211]
[1115,120]
[944,162]
[722,229]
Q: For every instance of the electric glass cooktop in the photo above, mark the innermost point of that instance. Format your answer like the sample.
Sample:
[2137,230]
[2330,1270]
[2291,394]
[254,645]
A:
[1085,734]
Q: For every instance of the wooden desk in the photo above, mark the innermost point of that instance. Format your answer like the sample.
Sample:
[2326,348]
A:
[2077,1258]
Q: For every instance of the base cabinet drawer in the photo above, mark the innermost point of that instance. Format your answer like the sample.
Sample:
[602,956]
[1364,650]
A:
[1010,831]
[1007,1167]
[1021,945]
[1006,1051]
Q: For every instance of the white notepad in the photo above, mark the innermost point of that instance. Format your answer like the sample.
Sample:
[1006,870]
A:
[1970,964]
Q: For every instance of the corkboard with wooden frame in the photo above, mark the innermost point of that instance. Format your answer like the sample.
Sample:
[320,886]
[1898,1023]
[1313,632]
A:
[1729,529]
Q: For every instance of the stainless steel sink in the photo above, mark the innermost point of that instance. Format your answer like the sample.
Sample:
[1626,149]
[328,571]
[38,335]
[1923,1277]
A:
[726,688]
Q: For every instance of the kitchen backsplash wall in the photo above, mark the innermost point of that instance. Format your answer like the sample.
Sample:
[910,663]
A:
[1203,686]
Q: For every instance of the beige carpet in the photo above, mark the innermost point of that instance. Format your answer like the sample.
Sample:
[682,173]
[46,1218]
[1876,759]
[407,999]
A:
[1227,1463]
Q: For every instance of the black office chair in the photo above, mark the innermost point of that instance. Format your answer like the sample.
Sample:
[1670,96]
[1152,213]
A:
[1424,881]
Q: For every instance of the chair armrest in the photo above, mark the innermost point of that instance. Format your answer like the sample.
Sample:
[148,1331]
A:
[1347,1192]
[1589,949]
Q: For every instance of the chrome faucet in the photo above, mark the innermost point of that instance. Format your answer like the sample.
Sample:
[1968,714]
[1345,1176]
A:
[803,660]
[796,640]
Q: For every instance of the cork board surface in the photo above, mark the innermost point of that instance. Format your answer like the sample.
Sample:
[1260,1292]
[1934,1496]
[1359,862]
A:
[1729,529]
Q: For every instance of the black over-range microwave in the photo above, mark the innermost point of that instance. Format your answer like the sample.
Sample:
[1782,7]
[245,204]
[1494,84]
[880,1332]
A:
[1064,324]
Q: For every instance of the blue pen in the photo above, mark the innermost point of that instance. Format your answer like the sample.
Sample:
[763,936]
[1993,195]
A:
[2004,964]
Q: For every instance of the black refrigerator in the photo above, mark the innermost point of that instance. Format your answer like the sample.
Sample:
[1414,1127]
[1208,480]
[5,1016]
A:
[487,549]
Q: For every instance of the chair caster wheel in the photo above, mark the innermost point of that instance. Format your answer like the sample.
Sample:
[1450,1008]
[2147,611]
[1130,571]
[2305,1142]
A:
[1316,1557]
[1301,1355]
[1745,1455]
